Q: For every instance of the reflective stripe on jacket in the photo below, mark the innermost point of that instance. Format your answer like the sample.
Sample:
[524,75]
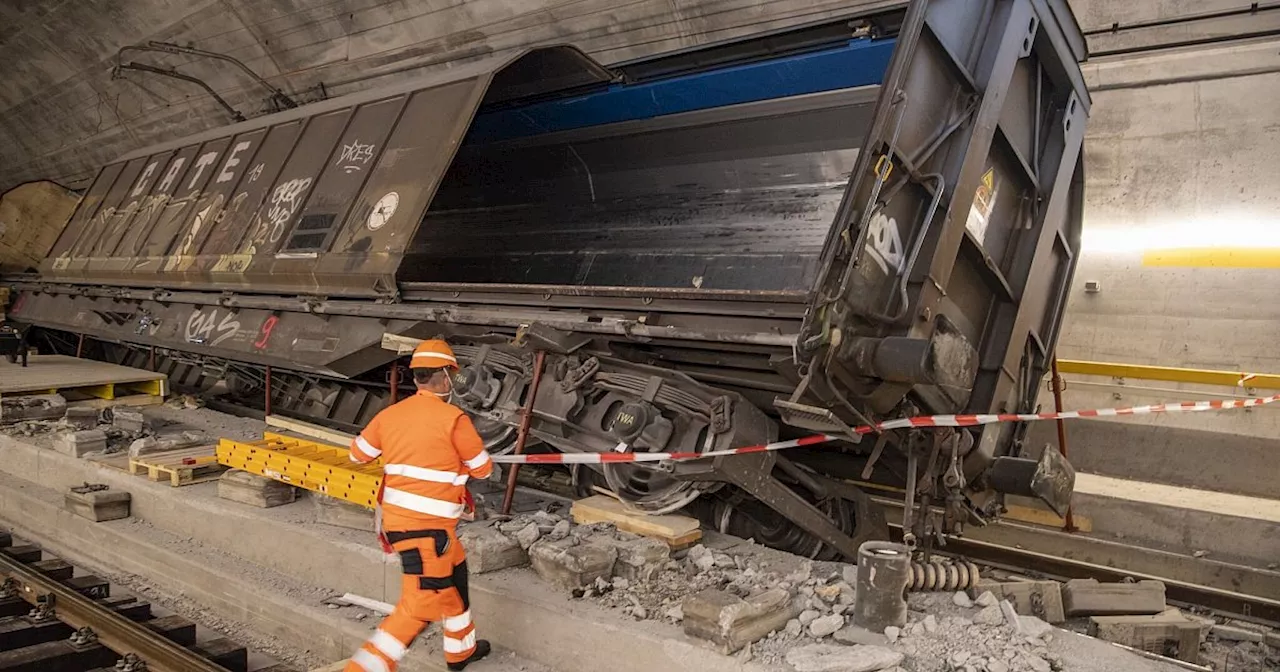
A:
[429,449]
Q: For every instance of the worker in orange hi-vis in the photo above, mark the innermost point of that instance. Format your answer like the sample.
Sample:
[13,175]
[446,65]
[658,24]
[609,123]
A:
[429,449]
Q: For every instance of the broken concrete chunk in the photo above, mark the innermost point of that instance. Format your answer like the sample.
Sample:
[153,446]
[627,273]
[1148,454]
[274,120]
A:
[128,420]
[991,615]
[1034,627]
[1088,597]
[559,531]
[77,444]
[254,490]
[701,557]
[569,564]
[98,505]
[32,407]
[489,550]
[159,444]
[529,535]
[144,446]
[1032,598]
[340,513]
[640,559]
[1167,633]
[81,417]
[545,518]
[826,625]
[1010,616]
[856,635]
[986,599]
[892,633]
[837,658]
[961,599]
[732,622]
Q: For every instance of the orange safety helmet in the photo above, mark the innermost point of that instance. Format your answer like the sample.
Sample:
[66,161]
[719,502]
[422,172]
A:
[433,354]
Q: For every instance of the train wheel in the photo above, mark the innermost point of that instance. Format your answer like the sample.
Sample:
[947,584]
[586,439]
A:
[650,489]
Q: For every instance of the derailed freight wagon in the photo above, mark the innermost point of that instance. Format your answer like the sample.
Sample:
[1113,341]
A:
[805,231]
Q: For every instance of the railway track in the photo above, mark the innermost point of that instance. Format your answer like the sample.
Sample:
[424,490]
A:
[1243,606]
[55,619]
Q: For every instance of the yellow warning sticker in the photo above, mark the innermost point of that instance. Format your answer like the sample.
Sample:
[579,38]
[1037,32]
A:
[984,200]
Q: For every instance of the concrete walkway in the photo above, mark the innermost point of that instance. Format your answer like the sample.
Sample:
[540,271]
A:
[1221,503]
[270,569]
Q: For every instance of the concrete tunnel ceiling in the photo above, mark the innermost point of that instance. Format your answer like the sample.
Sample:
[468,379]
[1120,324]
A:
[63,112]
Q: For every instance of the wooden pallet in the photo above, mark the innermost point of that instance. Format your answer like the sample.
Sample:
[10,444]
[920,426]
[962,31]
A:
[180,467]
[79,379]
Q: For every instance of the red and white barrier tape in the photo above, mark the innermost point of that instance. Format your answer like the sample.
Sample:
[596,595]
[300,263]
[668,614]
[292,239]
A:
[900,423]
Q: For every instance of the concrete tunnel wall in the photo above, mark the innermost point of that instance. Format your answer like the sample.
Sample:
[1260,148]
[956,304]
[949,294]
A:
[1182,235]
[62,114]
[1181,150]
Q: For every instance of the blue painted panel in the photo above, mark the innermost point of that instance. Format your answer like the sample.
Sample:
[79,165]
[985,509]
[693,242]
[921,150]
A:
[860,62]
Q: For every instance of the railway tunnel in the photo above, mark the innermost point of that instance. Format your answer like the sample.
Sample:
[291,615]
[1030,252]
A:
[802,286]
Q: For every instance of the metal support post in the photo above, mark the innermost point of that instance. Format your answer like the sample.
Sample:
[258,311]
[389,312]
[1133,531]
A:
[266,404]
[1068,524]
[526,417]
[395,382]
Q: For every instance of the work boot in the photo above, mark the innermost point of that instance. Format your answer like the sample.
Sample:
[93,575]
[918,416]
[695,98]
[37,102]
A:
[482,650]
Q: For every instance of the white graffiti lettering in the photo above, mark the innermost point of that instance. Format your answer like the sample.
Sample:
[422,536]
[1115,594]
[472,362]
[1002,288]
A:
[284,202]
[171,175]
[256,173]
[203,162]
[884,243]
[226,175]
[143,179]
[354,156]
[204,328]
[204,217]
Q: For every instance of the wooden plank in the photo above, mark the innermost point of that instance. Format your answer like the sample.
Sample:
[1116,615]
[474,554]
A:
[1035,515]
[677,531]
[337,438]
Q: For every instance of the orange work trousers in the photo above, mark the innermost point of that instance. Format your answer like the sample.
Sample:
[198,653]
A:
[433,588]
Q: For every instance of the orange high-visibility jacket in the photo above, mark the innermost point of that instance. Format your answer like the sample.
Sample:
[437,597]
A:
[429,449]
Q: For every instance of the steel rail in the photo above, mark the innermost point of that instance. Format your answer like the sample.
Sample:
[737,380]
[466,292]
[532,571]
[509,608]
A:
[1240,605]
[113,630]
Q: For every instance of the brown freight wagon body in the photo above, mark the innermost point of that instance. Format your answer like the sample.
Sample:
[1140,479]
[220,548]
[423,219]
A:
[800,232]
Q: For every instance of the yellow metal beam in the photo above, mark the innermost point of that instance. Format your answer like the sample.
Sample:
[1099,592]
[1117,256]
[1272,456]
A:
[1237,379]
[1214,257]
[314,466]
